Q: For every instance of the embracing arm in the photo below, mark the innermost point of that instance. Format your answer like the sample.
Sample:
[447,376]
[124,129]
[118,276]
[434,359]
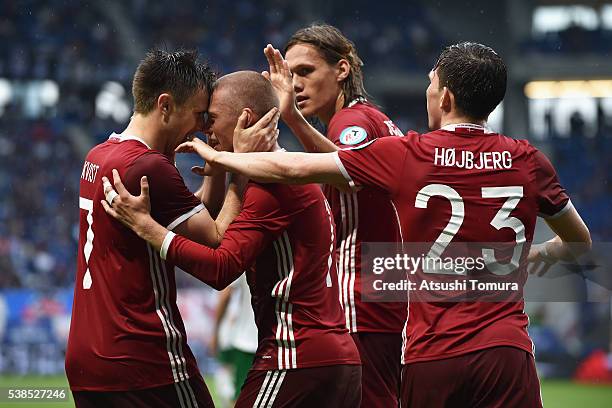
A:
[202,228]
[275,167]
[216,267]
[261,221]
[212,191]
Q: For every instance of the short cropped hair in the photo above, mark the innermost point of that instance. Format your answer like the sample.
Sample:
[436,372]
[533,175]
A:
[476,75]
[249,89]
[334,46]
[178,73]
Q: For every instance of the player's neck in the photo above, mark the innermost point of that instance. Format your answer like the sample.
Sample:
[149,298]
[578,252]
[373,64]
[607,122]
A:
[144,129]
[339,104]
[460,119]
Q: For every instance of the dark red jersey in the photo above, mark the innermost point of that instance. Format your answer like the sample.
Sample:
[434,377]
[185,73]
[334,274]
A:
[463,183]
[284,239]
[364,216]
[126,332]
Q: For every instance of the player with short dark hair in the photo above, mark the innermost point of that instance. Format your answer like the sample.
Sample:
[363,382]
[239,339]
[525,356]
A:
[284,238]
[490,189]
[477,76]
[177,72]
[322,77]
[127,344]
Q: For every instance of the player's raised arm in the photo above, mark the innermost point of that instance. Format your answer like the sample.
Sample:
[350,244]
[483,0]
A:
[281,78]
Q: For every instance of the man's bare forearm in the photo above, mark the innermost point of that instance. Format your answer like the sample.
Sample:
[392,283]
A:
[282,167]
[212,192]
[151,231]
[312,140]
[232,204]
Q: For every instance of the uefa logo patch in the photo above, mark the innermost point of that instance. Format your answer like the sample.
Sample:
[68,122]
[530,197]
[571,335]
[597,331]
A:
[353,135]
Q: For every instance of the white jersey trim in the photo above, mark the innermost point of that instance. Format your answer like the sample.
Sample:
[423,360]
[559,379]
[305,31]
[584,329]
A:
[185,217]
[342,169]
[349,211]
[174,344]
[269,388]
[399,223]
[285,337]
[163,251]
[123,138]
[471,126]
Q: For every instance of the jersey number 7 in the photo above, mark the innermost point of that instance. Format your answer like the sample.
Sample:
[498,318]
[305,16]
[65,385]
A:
[87,205]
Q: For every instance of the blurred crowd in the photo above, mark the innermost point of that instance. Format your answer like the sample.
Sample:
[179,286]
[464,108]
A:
[69,41]
[584,169]
[81,41]
[574,39]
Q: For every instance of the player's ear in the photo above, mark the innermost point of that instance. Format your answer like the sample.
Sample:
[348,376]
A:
[165,104]
[251,117]
[447,100]
[343,69]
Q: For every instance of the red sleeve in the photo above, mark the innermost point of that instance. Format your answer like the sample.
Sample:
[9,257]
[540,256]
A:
[552,197]
[261,221]
[378,163]
[350,127]
[171,200]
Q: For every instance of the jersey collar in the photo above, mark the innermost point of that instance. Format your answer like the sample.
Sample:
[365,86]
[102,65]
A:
[356,101]
[123,138]
[466,127]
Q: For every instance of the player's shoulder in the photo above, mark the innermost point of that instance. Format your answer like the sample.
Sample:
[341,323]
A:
[359,123]
[359,113]
[125,150]
[517,146]
[152,162]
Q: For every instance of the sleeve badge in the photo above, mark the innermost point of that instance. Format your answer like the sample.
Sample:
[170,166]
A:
[353,135]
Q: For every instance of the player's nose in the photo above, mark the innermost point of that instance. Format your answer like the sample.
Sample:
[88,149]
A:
[298,84]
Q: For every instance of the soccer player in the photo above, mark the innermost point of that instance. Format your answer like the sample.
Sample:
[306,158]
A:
[322,78]
[127,343]
[475,354]
[284,237]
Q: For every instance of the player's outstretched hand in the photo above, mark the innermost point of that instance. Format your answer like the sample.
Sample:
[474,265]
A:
[281,78]
[132,211]
[261,137]
[538,262]
[199,147]
[207,169]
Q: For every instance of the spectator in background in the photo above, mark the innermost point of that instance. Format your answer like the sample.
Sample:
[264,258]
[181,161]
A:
[235,335]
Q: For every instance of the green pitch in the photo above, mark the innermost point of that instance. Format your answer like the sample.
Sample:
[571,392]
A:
[556,394]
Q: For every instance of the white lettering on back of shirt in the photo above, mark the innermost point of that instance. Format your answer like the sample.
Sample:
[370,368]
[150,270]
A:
[465,159]
[90,171]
